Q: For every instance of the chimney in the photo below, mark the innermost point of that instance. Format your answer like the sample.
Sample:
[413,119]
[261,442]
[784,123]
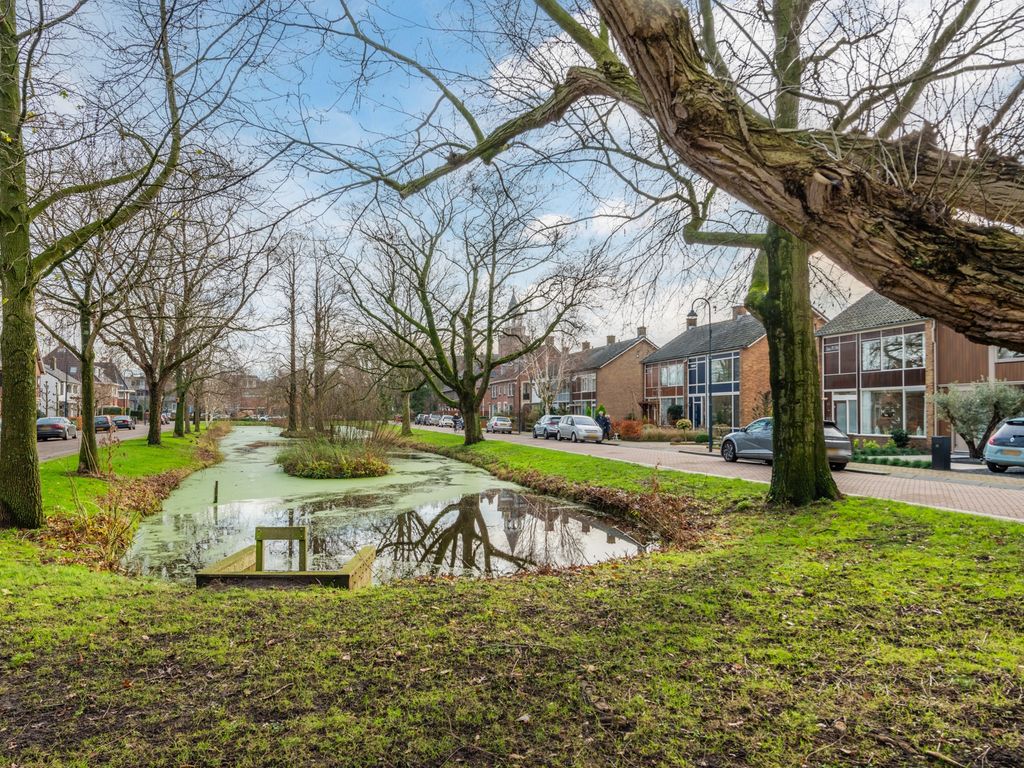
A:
[610,340]
[738,310]
[586,345]
[641,331]
[691,319]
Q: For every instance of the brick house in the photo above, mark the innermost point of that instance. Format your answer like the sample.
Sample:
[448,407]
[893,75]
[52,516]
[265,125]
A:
[610,375]
[881,363]
[676,374]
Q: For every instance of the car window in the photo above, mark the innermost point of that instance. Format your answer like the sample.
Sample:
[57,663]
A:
[1014,429]
[833,432]
[586,421]
[757,426]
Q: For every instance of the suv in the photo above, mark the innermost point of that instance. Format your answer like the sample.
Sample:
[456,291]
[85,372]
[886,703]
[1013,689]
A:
[546,426]
[499,424]
[1006,446]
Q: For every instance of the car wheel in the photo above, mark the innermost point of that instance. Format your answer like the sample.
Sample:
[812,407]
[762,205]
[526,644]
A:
[995,467]
[599,442]
[574,438]
[65,437]
[838,467]
[729,451]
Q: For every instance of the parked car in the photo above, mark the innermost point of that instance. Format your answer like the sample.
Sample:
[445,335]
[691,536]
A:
[1006,446]
[433,419]
[546,426]
[499,424]
[579,429]
[55,426]
[754,441]
[124,422]
[104,424]
[446,421]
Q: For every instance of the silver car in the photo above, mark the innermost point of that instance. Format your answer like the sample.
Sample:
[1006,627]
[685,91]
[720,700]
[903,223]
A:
[754,441]
[499,424]
[579,429]
[546,426]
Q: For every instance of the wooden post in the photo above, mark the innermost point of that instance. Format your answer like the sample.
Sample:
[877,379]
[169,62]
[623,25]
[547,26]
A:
[216,489]
[281,533]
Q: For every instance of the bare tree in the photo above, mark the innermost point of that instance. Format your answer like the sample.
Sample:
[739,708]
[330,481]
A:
[464,274]
[900,213]
[205,265]
[147,83]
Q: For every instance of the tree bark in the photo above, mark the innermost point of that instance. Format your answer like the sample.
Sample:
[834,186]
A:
[156,398]
[800,469]
[471,418]
[293,374]
[88,451]
[21,502]
[181,390]
[195,411]
[406,414]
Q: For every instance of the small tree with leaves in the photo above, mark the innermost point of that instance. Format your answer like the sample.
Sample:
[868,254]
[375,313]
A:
[975,411]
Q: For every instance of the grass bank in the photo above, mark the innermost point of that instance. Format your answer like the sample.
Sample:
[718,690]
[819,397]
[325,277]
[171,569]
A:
[91,520]
[862,632]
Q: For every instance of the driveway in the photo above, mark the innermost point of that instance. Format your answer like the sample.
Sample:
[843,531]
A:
[980,494]
[51,449]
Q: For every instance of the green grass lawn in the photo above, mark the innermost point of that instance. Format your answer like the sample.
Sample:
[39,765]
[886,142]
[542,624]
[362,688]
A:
[128,458]
[862,632]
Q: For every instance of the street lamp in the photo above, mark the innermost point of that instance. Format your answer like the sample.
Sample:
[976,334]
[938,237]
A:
[707,369]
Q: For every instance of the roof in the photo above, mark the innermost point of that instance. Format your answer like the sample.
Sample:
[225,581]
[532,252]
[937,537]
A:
[872,310]
[598,357]
[737,333]
[59,374]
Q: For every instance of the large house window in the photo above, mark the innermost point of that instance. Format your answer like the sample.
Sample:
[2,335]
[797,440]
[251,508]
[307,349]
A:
[672,375]
[1002,353]
[892,353]
[588,382]
[883,410]
[871,354]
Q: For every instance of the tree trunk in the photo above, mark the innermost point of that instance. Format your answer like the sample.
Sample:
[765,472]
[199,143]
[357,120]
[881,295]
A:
[195,411]
[471,417]
[21,502]
[406,414]
[293,374]
[20,496]
[800,469]
[156,404]
[181,390]
[88,451]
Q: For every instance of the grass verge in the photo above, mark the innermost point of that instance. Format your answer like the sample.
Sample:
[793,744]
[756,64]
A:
[862,632]
[91,520]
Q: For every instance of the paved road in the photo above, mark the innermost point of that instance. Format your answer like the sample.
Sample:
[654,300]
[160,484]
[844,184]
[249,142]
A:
[51,449]
[1001,496]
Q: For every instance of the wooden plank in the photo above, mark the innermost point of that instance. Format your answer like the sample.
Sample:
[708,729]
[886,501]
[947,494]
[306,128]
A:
[280,532]
[242,560]
[299,533]
[360,568]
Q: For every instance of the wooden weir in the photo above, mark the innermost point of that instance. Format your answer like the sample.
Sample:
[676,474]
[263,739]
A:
[245,567]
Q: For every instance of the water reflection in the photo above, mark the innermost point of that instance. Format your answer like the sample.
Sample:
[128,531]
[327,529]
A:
[492,533]
[432,516]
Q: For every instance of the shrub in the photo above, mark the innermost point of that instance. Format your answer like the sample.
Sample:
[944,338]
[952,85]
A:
[684,424]
[628,429]
[900,437]
[353,455]
[700,437]
[675,413]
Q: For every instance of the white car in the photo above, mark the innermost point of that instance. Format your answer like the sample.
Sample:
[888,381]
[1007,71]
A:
[499,424]
[446,421]
[579,429]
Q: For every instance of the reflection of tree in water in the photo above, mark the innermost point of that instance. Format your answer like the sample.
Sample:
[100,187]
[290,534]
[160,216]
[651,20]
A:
[456,539]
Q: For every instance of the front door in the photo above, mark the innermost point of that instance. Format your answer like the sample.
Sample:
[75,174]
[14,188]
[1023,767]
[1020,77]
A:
[696,415]
[844,413]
